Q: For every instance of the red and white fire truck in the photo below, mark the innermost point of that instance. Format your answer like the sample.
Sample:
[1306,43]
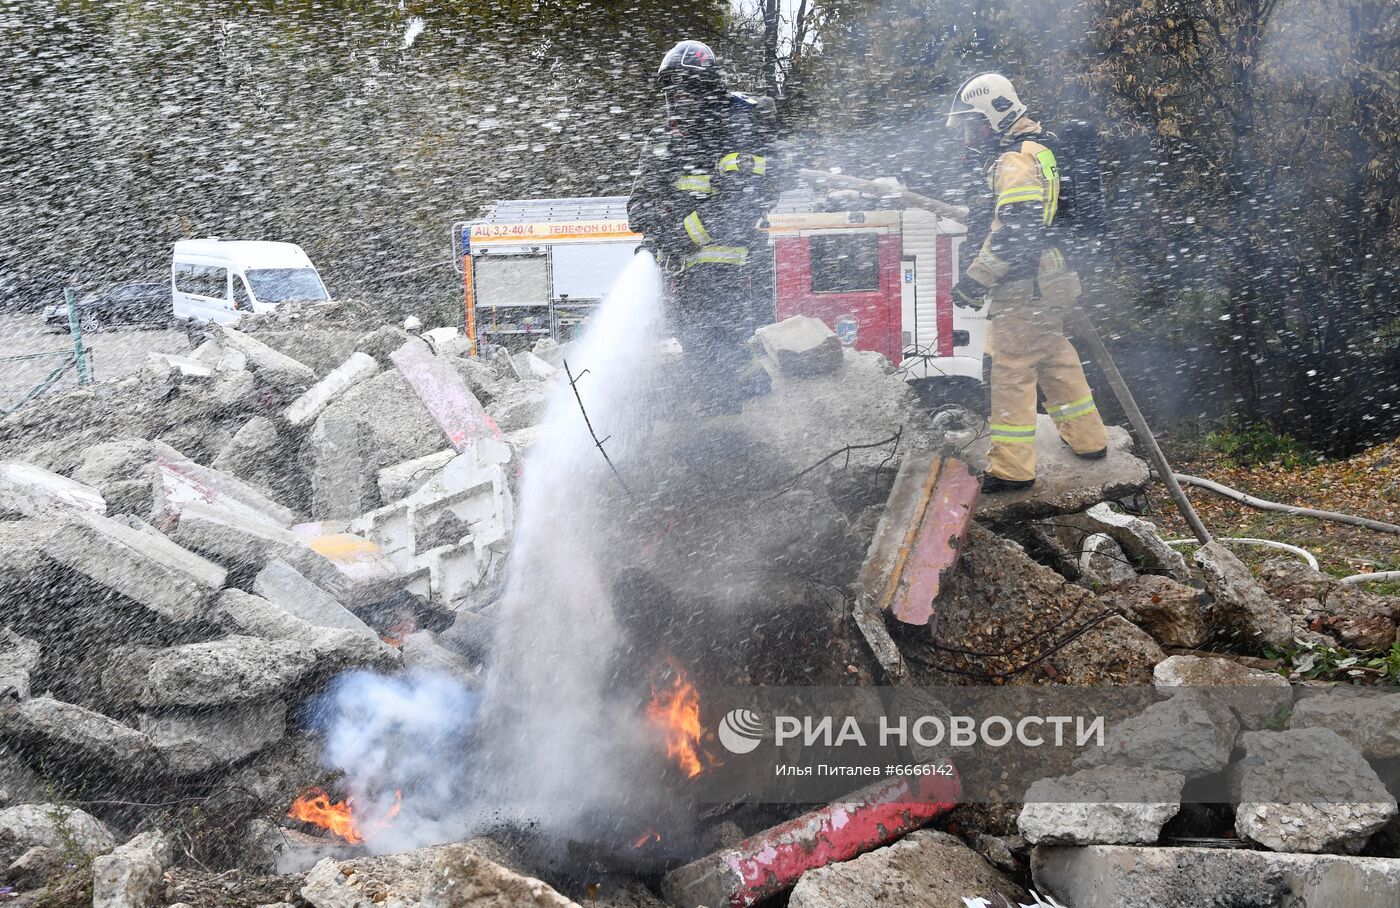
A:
[882,280]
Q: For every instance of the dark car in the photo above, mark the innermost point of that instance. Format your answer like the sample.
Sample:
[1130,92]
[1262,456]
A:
[137,303]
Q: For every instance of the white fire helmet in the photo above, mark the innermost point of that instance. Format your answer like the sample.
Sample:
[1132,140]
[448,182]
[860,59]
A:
[990,94]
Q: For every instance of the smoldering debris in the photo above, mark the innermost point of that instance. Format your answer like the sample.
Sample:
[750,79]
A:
[401,593]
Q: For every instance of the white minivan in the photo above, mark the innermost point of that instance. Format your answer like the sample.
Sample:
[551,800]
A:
[219,280]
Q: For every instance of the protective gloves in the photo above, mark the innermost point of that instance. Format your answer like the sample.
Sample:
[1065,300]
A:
[968,294]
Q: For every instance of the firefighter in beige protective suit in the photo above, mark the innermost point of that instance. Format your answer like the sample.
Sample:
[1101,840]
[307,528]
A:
[1020,271]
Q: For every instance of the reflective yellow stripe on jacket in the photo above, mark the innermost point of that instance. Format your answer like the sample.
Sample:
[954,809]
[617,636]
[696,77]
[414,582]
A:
[1050,170]
[1017,194]
[695,229]
[734,161]
[695,182]
[719,255]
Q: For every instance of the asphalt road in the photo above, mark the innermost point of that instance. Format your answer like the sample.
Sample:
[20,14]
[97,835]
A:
[116,352]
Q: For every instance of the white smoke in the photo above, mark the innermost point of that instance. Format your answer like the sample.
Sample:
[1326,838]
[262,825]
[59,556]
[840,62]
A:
[400,737]
[549,745]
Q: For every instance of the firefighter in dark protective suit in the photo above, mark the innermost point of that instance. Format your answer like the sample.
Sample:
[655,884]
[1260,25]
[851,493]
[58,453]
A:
[704,186]
[1021,272]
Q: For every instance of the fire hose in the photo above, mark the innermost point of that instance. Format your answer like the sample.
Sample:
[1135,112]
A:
[1087,333]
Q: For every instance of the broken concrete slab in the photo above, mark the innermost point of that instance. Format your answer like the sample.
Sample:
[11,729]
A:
[155,572]
[390,881]
[1255,696]
[179,481]
[343,460]
[19,656]
[354,570]
[319,348]
[1183,734]
[381,342]
[870,621]
[1102,562]
[133,875]
[1109,805]
[461,878]
[235,538]
[284,585]
[35,867]
[1117,876]
[553,352]
[1242,609]
[1213,671]
[269,367]
[455,526]
[998,596]
[1140,540]
[504,366]
[261,455]
[52,732]
[1171,612]
[444,393]
[335,649]
[403,479]
[801,346]
[122,471]
[530,367]
[1064,484]
[1308,790]
[56,826]
[1358,618]
[232,670]
[448,341]
[305,409]
[232,389]
[1367,719]
[196,741]
[518,407]
[925,869]
[422,652]
[29,491]
[165,363]
[453,570]
[920,532]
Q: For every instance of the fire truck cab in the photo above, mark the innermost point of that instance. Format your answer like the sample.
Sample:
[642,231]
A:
[881,279]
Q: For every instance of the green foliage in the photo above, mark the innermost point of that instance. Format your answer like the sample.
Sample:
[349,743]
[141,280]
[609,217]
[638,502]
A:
[1388,664]
[1318,662]
[1252,443]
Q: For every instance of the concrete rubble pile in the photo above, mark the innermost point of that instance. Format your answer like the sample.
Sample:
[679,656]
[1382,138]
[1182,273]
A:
[189,556]
[168,603]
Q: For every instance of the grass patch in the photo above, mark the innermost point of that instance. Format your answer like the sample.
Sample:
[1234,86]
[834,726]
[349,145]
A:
[1249,444]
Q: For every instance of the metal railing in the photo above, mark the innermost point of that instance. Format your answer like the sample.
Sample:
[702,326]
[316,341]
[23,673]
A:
[80,357]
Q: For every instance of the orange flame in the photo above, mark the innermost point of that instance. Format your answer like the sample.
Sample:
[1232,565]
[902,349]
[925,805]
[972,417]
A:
[674,710]
[651,835]
[317,808]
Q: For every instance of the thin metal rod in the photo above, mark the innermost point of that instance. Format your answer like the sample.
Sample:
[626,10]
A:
[1085,331]
[75,328]
[573,383]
